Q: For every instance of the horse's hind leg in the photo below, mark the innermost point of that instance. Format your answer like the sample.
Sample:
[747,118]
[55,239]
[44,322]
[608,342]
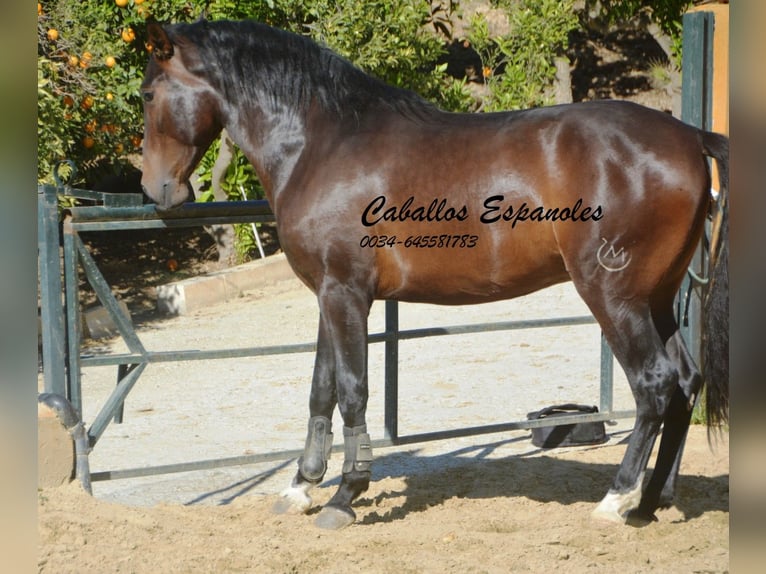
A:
[660,490]
[653,377]
[313,464]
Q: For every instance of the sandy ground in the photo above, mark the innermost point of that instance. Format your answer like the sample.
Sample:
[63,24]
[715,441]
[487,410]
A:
[490,503]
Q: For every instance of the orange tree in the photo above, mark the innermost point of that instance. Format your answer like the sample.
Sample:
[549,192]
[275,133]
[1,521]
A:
[91,56]
[90,60]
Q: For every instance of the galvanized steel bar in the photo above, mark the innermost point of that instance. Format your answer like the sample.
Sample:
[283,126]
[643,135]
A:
[286,455]
[116,216]
[517,425]
[697,110]
[107,199]
[164,223]
[51,306]
[387,336]
[391,397]
[122,371]
[73,325]
[114,402]
[195,355]
[188,215]
[107,298]
[496,326]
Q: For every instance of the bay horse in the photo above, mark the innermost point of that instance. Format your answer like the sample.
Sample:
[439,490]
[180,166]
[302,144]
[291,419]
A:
[378,194]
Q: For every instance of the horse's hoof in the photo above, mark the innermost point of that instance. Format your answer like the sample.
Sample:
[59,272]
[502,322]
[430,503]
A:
[615,506]
[610,509]
[639,518]
[331,518]
[607,515]
[292,500]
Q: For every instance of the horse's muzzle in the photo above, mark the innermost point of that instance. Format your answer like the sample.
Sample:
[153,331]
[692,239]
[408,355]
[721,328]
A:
[170,195]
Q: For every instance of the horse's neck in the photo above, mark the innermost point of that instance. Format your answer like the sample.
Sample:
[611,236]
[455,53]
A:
[274,148]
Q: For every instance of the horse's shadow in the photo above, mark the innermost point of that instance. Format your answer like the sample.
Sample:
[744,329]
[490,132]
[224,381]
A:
[469,473]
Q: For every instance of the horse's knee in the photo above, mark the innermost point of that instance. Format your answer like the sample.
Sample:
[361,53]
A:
[313,464]
[655,390]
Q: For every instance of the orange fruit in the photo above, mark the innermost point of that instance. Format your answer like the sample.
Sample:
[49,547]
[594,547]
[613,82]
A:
[87,102]
[53,34]
[136,141]
[73,61]
[128,35]
[110,61]
[138,2]
[68,101]
[143,11]
[90,127]
[109,96]
[119,148]
[121,3]
[88,142]
[172,264]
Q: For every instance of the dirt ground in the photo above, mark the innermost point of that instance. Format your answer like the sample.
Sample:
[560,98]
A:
[490,503]
[510,514]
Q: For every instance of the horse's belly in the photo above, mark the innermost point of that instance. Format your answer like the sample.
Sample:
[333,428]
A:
[461,277]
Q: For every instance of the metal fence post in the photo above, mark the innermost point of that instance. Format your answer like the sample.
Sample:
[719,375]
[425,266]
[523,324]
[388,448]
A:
[391,399]
[73,326]
[51,306]
[696,109]
[117,215]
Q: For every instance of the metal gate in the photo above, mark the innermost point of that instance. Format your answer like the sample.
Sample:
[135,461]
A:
[62,338]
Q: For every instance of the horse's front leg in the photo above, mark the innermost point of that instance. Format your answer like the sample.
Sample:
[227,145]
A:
[312,465]
[345,311]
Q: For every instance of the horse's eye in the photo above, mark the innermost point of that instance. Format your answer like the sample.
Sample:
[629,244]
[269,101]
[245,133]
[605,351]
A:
[148,96]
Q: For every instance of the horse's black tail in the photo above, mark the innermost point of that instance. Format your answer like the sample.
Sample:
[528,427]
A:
[715,306]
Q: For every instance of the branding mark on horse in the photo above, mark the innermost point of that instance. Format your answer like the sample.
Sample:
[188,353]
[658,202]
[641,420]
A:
[612,259]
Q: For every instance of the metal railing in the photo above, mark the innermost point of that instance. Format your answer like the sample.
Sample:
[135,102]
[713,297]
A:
[62,337]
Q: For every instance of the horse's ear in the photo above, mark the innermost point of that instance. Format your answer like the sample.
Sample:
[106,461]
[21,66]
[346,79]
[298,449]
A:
[158,40]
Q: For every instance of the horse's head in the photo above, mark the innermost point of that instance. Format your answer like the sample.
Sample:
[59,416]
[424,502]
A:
[181,116]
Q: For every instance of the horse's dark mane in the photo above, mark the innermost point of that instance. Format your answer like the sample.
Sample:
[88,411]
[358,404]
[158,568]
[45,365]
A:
[253,60]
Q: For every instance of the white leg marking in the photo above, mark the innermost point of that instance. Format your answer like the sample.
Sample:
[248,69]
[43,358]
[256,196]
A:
[615,506]
[294,499]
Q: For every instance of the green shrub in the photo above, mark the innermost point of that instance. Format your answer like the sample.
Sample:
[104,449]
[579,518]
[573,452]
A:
[89,110]
[519,67]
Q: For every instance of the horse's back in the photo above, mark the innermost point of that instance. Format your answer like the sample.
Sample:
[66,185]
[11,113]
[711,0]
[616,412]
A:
[464,208]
